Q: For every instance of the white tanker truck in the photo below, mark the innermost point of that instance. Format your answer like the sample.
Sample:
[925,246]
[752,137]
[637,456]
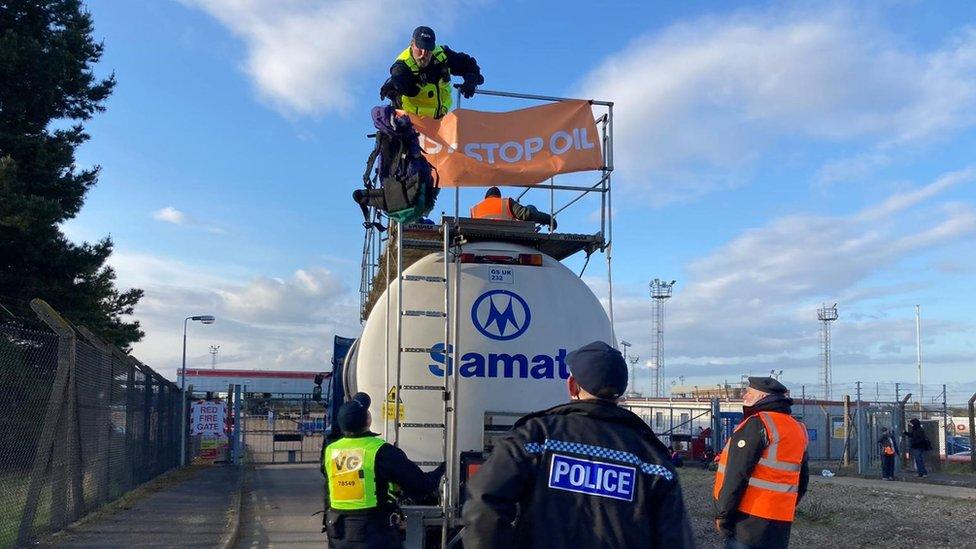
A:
[454,352]
[518,313]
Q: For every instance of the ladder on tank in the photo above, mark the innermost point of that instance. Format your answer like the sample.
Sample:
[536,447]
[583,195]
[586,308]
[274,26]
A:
[446,392]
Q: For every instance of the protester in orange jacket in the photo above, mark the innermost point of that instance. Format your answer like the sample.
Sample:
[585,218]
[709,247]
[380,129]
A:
[496,207]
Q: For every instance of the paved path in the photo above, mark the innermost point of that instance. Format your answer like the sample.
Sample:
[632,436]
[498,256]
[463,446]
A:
[918,488]
[196,511]
[278,503]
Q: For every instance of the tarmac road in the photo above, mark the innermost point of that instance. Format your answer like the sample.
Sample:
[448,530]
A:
[277,507]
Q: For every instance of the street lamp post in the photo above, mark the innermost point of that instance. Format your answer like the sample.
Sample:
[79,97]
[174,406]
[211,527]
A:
[206,319]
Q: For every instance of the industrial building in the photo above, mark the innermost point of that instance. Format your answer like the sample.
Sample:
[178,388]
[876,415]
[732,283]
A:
[251,381]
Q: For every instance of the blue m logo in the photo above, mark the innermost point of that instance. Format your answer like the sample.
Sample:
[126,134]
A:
[500,315]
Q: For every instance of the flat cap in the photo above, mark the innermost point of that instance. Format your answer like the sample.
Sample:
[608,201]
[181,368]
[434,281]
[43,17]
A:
[767,385]
[599,369]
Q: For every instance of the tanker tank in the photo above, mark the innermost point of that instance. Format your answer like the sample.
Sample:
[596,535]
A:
[517,322]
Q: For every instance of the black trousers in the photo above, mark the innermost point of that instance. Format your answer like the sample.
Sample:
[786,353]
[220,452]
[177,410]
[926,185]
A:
[356,531]
[887,466]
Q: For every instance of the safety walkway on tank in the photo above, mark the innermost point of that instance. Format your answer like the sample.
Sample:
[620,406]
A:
[559,246]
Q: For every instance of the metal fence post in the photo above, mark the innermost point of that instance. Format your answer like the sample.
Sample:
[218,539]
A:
[828,429]
[716,425]
[972,432]
[901,427]
[237,445]
[103,415]
[846,459]
[72,456]
[52,416]
[130,421]
[897,420]
[861,426]
[146,413]
[176,397]
[803,402]
[159,406]
[945,419]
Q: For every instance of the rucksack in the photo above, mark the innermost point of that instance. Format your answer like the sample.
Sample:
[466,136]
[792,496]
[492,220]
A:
[407,181]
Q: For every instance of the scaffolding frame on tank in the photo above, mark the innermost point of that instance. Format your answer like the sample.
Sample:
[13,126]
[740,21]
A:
[452,233]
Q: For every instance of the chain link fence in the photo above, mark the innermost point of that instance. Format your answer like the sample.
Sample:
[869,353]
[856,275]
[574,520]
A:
[844,421]
[81,423]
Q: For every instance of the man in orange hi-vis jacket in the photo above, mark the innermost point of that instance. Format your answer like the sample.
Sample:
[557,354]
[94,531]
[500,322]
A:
[496,207]
[762,471]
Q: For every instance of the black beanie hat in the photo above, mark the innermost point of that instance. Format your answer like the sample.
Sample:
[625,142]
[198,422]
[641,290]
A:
[353,417]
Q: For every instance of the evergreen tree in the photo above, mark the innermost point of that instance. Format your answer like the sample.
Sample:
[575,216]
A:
[47,90]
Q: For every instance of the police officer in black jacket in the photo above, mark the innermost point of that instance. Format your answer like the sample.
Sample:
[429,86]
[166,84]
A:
[584,474]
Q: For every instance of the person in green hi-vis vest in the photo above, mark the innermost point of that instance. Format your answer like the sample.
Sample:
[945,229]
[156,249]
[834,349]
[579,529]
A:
[420,78]
[360,469]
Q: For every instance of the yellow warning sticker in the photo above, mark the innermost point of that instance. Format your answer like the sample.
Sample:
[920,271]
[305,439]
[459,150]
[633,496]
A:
[391,404]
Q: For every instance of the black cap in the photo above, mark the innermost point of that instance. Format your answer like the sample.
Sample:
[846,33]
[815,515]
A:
[423,38]
[599,369]
[767,385]
[493,191]
[353,417]
[363,399]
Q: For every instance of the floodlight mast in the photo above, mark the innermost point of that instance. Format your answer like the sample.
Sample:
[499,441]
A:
[826,315]
[660,292]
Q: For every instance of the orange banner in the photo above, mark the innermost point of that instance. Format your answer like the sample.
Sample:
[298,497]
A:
[524,147]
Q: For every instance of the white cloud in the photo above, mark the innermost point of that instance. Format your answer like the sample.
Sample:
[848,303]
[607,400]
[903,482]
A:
[308,297]
[140,269]
[170,214]
[752,301]
[305,56]
[700,103]
[900,202]
[262,322]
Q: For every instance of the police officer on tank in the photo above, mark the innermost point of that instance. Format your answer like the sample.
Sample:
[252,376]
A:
[583,474]
[762,471]
[360,468]
[420,78]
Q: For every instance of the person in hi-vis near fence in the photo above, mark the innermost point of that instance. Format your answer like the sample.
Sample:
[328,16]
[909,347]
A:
[762,471]
[360,468]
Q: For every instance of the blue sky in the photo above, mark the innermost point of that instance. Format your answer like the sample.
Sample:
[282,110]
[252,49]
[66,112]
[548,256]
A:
[770,157]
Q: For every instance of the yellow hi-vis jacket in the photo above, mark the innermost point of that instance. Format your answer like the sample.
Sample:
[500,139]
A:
[434,99]
[350,467]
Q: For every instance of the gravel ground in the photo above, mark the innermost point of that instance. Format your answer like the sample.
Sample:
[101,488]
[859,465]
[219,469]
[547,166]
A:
[834,515]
